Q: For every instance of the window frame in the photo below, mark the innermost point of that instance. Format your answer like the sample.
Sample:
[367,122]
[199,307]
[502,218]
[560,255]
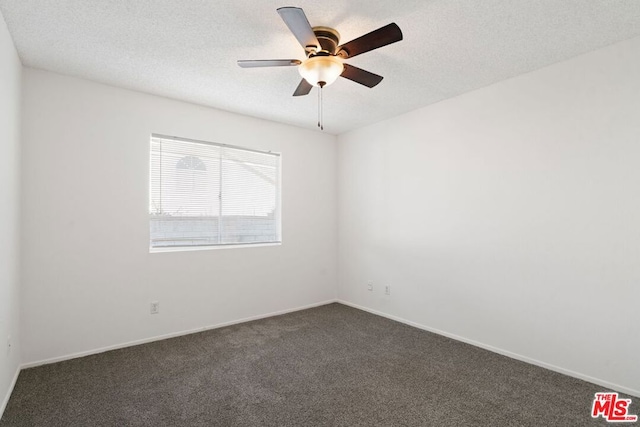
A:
[183,248]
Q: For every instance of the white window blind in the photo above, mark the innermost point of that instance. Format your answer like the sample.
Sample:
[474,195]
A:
[208,194]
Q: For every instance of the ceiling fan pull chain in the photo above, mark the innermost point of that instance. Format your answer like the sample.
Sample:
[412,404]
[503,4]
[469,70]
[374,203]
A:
[319,91]
[320,113]
[321,108]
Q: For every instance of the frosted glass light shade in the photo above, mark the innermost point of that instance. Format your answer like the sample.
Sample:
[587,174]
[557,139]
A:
[321,69]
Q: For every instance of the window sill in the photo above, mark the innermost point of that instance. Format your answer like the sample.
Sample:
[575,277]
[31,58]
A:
[207,248]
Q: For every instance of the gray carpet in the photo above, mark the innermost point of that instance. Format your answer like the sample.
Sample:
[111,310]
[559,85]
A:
[327,366]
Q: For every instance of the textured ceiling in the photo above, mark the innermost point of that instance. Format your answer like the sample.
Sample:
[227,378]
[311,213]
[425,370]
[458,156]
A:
[188,49]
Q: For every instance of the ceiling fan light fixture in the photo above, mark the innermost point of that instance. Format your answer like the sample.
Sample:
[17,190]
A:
[321,70]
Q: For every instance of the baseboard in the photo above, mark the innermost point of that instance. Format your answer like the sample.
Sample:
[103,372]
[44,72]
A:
[171,335]
[5,401]
[578,375]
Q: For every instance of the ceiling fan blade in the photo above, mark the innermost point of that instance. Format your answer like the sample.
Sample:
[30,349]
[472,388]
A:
[299,25]
[303,88]
[361,76]
[250,63]
[381,37]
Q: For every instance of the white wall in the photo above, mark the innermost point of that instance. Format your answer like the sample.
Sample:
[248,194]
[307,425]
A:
[88,277]
[509,216]
[506,217]
[10,87]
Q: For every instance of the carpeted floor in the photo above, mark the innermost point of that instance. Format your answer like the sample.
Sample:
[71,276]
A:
[327,366]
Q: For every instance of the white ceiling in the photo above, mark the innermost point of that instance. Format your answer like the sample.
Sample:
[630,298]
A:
[188,49]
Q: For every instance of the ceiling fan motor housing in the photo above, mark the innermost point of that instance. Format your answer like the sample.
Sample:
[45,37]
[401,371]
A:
[328,39]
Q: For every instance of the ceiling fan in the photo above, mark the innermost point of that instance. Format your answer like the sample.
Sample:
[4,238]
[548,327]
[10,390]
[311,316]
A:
[324,63]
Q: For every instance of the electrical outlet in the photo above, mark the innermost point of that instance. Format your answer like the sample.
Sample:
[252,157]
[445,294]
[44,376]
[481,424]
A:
[370,286]
[155,307]
[387,289]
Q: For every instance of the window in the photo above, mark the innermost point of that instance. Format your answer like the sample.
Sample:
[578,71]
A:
[208,194]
